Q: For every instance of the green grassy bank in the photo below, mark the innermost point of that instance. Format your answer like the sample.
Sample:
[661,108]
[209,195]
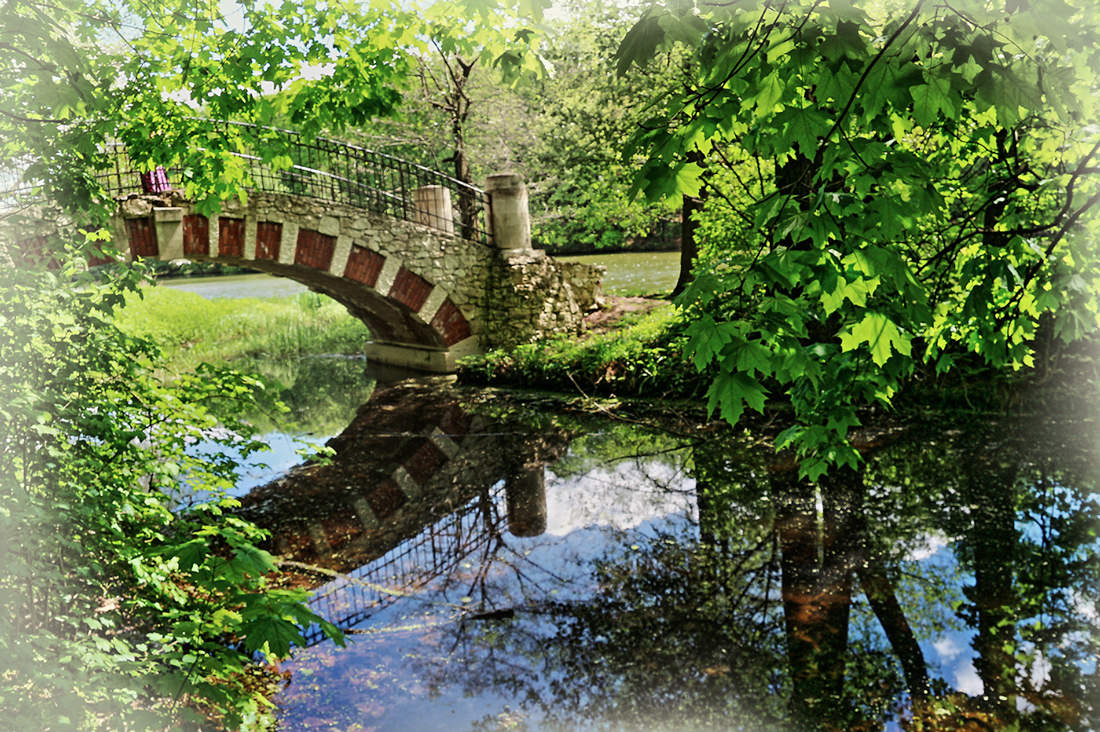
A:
[294,344]
[193,330]
[639,355]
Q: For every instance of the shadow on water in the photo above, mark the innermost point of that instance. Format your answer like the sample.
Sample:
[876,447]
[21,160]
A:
[504,566]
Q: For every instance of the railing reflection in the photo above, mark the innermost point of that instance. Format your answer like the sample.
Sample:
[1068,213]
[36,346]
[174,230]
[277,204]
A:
[437,551]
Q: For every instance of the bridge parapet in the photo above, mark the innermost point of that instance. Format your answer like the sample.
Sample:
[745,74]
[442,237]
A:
[286,162]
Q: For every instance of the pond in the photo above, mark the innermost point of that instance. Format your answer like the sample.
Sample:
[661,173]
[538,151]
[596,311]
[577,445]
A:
[635,273]
[518,563]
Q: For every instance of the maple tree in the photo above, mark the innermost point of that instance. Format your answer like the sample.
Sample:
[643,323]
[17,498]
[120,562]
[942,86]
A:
[899,187]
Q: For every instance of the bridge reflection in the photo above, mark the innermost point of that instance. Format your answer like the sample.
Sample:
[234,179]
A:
[416,485]
[715,590]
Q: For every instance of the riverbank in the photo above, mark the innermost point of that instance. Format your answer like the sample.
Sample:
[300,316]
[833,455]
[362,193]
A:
[633,347]
[193,330]
[306,349]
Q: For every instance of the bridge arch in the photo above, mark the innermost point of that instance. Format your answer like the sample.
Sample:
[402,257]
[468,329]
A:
[421,291]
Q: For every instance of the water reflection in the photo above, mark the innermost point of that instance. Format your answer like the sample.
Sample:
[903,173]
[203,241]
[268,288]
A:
[504,567]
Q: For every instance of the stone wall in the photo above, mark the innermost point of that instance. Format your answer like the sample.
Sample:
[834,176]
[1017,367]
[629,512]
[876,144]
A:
[536,296]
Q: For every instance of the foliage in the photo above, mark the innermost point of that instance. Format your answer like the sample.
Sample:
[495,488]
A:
[560,119]
[503,35]
[78,73]
[920,184]
[580,118]
[115,609]
[640,357]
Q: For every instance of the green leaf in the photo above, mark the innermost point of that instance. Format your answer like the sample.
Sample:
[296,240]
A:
[930,99]
[881,336]
[779,49]
[640,42]
[706,339]
[753,357]
[855,292]
[271,635]
[805,127]
[730,392]
[687,179]
[768,94]
[686,29]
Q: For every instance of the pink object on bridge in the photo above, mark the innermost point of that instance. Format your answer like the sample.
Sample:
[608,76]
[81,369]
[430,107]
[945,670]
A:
[155,181]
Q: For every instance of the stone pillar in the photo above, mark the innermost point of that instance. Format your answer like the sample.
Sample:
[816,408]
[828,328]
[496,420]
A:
[169,223]
[433,208]
[508,214]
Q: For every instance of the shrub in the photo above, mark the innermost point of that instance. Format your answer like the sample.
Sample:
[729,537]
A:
[116,611]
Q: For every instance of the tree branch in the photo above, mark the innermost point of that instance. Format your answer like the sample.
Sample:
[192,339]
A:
[867,71]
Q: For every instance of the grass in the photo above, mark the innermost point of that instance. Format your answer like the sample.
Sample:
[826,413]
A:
[639,357]
[194,330]
[277,339]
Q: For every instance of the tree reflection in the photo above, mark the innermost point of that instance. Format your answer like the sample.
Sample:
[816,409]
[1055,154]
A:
[779,603]
[750,621]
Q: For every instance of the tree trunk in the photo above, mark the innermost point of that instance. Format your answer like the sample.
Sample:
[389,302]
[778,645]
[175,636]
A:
[884,602]
[467,204]
[689,248]
[993,541]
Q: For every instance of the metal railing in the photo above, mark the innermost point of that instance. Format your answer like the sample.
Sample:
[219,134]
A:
[328,170]
[436,552]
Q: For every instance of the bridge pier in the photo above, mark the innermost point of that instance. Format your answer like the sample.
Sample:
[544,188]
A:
[168,221]
[417,358]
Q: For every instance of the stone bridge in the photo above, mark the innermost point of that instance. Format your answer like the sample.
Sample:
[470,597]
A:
[433,281]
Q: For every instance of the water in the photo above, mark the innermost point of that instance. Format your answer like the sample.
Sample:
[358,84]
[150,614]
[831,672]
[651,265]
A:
[503,564]
[245,285]
[635,273]
[506,565]
[630,273]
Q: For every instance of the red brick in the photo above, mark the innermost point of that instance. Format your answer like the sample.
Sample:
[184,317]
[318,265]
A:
[450,321]
[268,236]
[364,265]
[410,289]
[143,237]
[230,237]
[196,235]
[314,249]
